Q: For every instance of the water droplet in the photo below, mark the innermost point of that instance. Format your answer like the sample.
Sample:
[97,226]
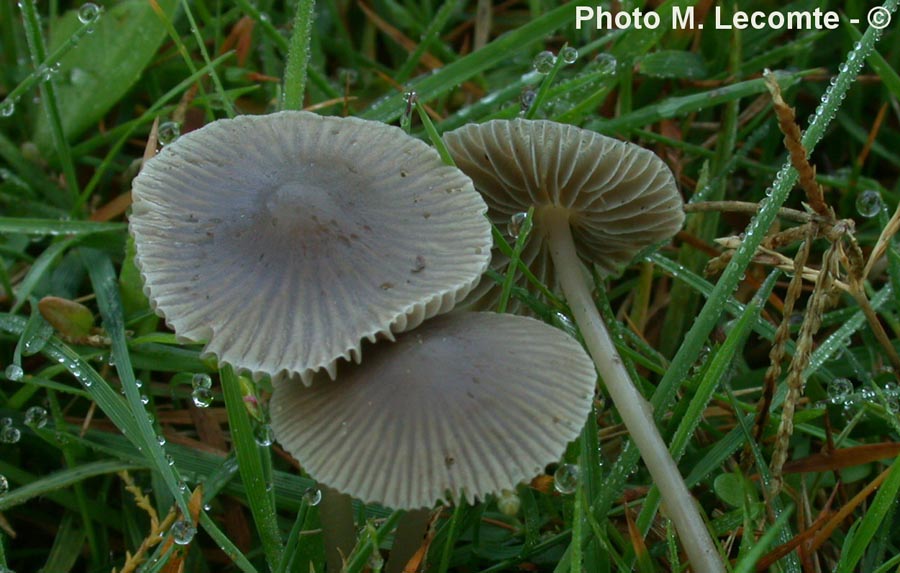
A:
[526,100]
[868,203]
[263,435]
[376,561]
[14,372]
[202,397]
[411,99]
[201,381]
[347,76]
[839,390]
[606,63]
[515,224]
[892,401]
[544,62]
[565,479]
[207,507]
[145,399]
[161,440]
[10,435]
[170,460]
[4,484]
[508,503]
[569,54]
[89,13]
[561,321]
[7,108]
[168,132]
[312,496]
[78,76]
[183,532]
[36,417]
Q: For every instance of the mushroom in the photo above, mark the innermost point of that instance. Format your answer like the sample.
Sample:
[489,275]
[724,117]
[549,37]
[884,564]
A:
[466,405]
[601,200]
[284,240]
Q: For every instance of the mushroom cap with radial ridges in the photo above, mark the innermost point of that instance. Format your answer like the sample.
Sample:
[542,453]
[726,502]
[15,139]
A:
[621,197]
[467,402]
[284,240]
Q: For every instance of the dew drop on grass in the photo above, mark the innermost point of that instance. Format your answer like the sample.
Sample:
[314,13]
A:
[565,479]
[88,13]
[515,224]
[14,372]
[543,62]
[376,561]
[183,532]
[10,434]
[839,390]
[508,503]
[7,108]
[868,203]
[168,132]
[4,484]
[526,100]
[201,381]
[202,397]
[312,496]
[263,435]
[606,63]
[145,399]
[36,417]
[569,54]
[411,98]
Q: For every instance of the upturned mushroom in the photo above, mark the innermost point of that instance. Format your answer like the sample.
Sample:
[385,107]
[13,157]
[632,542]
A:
[467,404]
[283,241]
[599,200]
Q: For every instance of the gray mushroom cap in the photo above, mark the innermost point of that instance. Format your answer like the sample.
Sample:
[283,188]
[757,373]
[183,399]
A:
[468,403]
[622,198]
[285,240]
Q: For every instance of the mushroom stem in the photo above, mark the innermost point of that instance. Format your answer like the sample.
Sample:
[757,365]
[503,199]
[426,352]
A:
[632,407]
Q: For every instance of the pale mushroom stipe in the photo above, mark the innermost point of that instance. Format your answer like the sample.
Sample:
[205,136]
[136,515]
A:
[600,200]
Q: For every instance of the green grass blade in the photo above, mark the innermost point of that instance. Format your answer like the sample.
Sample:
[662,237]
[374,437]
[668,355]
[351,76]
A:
[428,87]
[62,479]
[106,287]
[39,227]
[298,56]
[870,524]
[251,467]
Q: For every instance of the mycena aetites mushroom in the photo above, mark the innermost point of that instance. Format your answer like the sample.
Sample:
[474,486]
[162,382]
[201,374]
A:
[467,404]
[283,241]
[599,200]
